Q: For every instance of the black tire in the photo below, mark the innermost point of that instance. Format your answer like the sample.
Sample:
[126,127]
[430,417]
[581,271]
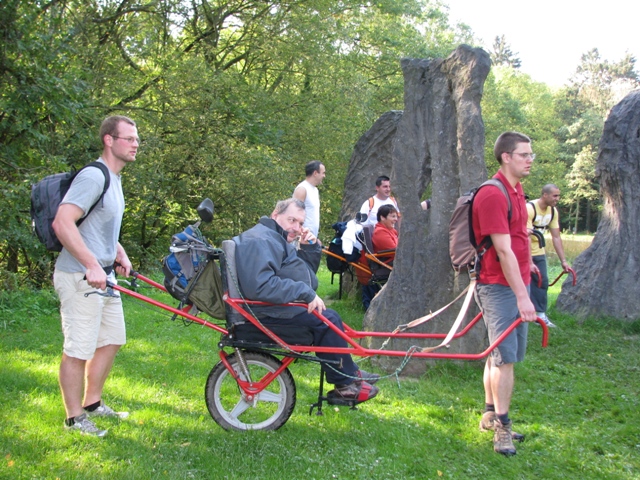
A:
[229,407]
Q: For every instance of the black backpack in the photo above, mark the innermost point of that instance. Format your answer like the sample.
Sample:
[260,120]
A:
[464,251]
[46,196]
[335,265]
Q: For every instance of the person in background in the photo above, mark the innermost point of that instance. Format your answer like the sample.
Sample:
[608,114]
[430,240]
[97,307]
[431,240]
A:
[307,192]
[543,214]
[382,197]
[385,235]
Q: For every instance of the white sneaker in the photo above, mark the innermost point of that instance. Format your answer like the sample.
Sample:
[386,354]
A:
[546,320]
[105,411]
[85,426]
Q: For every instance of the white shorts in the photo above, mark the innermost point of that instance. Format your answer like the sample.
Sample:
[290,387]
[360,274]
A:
[88,323]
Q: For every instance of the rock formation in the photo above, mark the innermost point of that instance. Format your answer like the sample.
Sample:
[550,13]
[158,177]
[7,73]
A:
[438,143]
[607,271]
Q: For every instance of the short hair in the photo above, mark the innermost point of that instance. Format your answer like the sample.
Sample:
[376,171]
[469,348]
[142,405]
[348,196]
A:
[282,205]
[110,125]
[506,143]
[380,179]
[312,166]
[385,210]
[549,187]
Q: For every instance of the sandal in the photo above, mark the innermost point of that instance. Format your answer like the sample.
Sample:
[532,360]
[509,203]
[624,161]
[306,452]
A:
[352,394]
[370,378]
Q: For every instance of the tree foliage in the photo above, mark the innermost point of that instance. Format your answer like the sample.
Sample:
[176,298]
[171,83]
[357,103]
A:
[583,105]
[501,54]
[231,97]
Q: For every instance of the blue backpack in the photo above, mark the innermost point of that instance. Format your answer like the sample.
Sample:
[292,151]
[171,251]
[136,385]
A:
[191,275]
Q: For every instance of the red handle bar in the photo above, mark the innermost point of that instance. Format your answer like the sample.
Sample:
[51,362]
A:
[571,271]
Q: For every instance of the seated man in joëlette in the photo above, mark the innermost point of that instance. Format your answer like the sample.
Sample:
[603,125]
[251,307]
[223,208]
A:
[276,261]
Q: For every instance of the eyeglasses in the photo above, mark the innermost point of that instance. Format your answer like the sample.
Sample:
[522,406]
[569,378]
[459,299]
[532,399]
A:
[532,156]
[128,139]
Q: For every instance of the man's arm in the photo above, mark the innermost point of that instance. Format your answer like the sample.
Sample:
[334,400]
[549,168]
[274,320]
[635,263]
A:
[557,244]
[511,270]
[300,193]
[122,259]
[67,232]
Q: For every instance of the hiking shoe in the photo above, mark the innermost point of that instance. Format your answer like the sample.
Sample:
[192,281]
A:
[502,441]
[105,411]
[370,378]
[546,320]
[352,394]
[85,426]
[488,421]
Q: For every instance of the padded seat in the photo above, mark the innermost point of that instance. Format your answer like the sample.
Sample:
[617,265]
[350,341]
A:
[379,273]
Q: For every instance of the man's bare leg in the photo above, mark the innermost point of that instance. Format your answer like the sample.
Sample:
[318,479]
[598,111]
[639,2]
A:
[71,380]
[502,381]
[96,372]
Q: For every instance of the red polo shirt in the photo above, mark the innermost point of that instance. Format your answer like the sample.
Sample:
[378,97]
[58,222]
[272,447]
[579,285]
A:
[490,215]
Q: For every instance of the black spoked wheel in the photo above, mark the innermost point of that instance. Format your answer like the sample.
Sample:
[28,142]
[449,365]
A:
[233,410]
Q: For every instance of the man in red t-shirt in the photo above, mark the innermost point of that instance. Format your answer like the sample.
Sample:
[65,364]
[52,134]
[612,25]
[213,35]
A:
[502,291]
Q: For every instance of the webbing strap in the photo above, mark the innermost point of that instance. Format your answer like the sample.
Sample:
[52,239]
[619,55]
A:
[454,328]
[418,321]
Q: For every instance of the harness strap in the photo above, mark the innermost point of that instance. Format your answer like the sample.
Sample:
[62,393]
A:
[456,324]
[418,321]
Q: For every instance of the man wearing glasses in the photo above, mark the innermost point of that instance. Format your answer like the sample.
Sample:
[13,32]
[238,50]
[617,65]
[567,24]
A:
[502,292]
[93,326]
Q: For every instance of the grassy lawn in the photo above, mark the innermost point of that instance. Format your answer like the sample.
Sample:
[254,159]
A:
[576,401]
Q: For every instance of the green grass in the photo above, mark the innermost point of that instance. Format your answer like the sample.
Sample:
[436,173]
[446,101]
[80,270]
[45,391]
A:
[577,402]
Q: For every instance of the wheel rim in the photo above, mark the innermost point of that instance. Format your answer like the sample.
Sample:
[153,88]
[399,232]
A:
[242,414]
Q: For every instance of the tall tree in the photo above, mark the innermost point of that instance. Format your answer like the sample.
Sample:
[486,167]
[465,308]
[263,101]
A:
[501,54]
[583,106]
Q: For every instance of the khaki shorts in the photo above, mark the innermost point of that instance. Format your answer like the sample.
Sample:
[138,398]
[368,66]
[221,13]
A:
[88,323]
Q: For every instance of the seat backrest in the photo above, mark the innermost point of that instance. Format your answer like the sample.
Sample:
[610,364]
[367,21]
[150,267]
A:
[367,235]
[230,279]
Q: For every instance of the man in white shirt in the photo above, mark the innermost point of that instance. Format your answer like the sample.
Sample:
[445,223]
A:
[307,192]
[382,197]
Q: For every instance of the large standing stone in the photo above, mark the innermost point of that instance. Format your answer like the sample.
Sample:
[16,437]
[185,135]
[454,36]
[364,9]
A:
[608,270]
[371,157]
[439,142]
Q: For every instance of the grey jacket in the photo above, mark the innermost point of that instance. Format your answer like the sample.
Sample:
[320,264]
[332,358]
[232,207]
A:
[271,270]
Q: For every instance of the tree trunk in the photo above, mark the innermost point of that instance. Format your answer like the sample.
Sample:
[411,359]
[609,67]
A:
[608,270]
[439,140]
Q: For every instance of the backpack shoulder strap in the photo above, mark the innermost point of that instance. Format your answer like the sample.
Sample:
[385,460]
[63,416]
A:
[107,183]
[498,183]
